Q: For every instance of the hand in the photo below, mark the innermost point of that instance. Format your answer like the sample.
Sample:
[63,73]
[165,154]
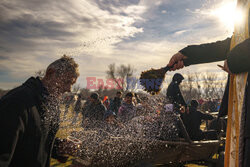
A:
[177,61]
[225,67]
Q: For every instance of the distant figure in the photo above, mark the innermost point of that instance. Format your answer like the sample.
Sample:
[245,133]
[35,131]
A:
[68,101]
[174,94]
[127,110]
[192,121]
[211,105]
[94,111]
[116,102]
[77,109]
[106,102]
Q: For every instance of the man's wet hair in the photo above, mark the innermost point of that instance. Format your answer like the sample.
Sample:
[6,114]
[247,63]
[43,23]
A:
[64,65]
[129,94]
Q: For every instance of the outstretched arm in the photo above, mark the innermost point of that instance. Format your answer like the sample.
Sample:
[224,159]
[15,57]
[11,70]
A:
[197,54]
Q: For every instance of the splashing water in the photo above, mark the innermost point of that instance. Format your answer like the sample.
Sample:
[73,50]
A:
[137,141]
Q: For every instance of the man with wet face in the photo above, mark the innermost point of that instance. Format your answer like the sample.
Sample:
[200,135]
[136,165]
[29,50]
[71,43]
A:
[29,117]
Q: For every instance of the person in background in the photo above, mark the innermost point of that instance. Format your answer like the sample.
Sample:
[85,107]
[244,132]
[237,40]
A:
[94,111]
[192,120]
[174,94]
[68,101]
[30,115]
[106,102]
[127,110]
[116,102]
[77,109]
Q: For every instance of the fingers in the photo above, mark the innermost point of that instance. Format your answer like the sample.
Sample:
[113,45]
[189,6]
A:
[177,65]
[176,61]
[225,67]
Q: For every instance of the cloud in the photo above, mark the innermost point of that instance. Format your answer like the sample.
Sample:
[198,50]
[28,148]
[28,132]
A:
[143,33]
[34,33]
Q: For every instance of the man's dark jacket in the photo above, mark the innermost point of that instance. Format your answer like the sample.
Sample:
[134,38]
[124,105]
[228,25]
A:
[192,122]
[27,130]
[115,104]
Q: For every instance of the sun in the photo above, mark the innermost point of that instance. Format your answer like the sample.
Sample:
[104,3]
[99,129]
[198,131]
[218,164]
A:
[229,14]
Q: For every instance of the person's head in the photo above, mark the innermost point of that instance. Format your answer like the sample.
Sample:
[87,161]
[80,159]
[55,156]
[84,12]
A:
[94,97]
[109,116]
[119,94]
[61,75]
[177,78]
[129,97]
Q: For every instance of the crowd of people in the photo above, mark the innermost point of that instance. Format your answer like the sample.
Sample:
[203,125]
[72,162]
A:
[120,112]
[136,116]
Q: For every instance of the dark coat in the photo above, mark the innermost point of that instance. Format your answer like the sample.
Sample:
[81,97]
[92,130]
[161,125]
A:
[94,111]
[78,105]
[115,104]
[27,136]
[174,95]
[192,122]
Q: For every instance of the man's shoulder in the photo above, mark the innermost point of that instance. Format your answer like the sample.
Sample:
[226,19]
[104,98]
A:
[17,97]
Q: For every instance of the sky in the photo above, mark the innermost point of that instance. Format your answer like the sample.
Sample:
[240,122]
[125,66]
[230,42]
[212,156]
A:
[142,33]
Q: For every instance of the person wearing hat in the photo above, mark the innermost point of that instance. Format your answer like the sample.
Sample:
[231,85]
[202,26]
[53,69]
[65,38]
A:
[174,94]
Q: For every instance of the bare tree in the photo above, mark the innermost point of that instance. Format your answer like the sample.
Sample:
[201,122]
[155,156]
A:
[120,74]
[198,84]
[188,87]
[209,84]
[205,85]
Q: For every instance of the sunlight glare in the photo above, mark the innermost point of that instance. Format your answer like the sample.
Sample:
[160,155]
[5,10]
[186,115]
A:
[228,14]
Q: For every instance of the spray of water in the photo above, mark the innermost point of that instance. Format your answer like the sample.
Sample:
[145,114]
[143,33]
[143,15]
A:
[107,144]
